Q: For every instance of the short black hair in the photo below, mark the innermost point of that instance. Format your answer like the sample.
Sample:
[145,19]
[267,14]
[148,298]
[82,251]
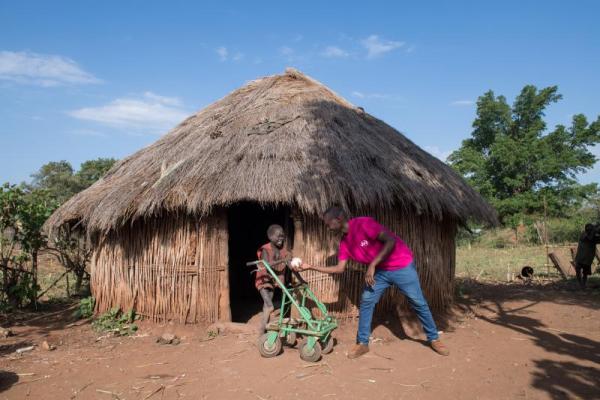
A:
[334,212]
[272,229]
[589,227]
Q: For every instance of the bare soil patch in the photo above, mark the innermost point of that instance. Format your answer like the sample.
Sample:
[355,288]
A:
[506,342]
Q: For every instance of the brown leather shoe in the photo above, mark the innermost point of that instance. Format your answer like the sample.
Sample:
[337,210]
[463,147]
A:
[358,350]
[439,347]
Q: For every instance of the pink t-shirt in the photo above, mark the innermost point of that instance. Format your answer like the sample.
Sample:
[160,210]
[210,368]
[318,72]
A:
[360,244]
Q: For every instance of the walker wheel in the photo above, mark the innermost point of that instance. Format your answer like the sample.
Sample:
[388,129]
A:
[290,339]
[327,345]
[267,350]
[312,355]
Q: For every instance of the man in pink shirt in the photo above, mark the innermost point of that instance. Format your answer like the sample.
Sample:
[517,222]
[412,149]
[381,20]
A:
[390,262]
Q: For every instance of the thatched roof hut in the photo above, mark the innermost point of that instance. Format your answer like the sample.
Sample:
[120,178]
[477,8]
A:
[174,222]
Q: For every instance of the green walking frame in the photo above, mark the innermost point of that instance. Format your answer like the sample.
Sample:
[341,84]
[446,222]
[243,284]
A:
[317,331]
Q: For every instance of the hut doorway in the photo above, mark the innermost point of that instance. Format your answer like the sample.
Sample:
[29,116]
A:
[247,226]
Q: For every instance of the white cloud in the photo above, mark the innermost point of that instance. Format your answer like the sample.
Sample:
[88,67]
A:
[362,95]
[377,47]
[290,55]
[223,53]
[462,103]
[150,112]
[42,69]
[171,101]
[286,51]
[438,153]
[334,52]
[88,132]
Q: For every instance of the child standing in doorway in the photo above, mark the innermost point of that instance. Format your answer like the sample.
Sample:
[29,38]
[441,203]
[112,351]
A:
[271,252]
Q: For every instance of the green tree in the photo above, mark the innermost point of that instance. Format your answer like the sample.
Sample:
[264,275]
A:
[23,211]
[35,210]
[11,201]
[92,170]
[22,215]
[58,179]
[72,249]
[513,161]
[58,182]
[61,182]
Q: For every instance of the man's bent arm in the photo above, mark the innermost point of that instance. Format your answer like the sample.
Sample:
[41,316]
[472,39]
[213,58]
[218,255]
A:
[388,245]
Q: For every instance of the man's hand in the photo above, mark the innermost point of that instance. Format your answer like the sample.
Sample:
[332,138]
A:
[338,269]
[304,267]
[370,276]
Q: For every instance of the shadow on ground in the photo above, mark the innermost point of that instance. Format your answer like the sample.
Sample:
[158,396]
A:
[7,380]
[560,379]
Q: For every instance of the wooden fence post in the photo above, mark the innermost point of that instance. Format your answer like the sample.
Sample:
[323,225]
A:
[223,243]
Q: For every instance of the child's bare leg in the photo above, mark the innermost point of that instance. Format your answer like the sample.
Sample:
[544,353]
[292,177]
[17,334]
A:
[267,296]
[578,275]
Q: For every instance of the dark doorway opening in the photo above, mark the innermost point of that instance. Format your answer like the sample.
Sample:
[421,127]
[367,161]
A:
[247,225]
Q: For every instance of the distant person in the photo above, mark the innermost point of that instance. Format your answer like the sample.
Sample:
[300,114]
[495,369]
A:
[264,282]
[586,251]
[390,262]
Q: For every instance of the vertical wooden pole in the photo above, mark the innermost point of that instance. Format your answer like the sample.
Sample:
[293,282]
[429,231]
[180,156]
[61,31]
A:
[298,249]
[223,243]
[546,237]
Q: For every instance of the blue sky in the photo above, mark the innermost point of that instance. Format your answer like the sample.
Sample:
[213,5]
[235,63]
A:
[81,80]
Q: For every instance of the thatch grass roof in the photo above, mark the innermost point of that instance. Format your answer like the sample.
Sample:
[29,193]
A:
[280,139]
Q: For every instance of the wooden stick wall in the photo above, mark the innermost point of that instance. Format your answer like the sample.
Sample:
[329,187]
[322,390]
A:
[175,267]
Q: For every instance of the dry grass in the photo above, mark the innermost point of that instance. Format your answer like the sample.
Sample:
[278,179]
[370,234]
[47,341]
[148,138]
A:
[325,151]
[490,263]
[59,291]
[49,272]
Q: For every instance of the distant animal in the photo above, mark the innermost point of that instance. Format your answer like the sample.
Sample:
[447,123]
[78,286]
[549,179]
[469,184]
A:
[526,274]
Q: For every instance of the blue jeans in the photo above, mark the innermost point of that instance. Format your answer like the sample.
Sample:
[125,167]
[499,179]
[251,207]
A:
[405,279]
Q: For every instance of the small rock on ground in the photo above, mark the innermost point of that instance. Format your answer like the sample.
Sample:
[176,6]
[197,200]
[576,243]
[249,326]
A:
[168,338]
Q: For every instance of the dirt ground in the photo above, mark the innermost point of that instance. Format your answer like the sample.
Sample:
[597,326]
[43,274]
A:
[506,342]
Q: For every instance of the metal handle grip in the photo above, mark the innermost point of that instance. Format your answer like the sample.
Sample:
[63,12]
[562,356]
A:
[251,263]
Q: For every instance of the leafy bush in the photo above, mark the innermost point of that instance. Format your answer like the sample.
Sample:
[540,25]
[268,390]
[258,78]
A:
[466,237]
[22,214]
[496,238]
[565,230]
[116,321]
[24,290]
[561,231]
[86,307]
